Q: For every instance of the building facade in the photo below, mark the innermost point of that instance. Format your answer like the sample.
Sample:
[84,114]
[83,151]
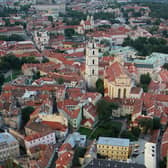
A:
[117,82]
[9,146]
[92,64]
[150,155]
[113,148]
[41,39]
[36,139]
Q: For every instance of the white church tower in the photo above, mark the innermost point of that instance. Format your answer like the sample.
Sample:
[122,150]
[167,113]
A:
[92,64]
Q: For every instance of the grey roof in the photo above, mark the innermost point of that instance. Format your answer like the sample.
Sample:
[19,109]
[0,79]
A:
[144,65]
[113,141]
[7,138]
[99,163]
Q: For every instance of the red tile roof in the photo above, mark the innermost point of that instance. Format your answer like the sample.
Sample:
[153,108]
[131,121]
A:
[65,159]
[164,144]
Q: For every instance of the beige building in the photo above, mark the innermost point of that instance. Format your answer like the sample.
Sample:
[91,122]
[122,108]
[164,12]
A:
[113,148]
[117,82]
[9,146]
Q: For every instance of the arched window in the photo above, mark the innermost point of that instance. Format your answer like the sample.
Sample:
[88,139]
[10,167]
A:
[93,61]
[119,92]
[125,91]
[92,71]
[93,52]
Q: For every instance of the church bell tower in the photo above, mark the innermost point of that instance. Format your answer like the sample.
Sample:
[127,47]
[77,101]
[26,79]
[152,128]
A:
[92,64]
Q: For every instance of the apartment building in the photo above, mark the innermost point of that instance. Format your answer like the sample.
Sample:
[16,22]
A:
[113,148]
[9,146]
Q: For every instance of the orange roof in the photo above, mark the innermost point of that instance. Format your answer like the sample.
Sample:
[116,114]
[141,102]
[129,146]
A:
[55,125]
[65,147]
[64,159]
[114,71]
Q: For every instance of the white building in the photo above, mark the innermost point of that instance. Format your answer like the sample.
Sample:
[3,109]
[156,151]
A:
[36,139]
[76,139]
[92,64]
[9,146]
[150,155]
[41,39]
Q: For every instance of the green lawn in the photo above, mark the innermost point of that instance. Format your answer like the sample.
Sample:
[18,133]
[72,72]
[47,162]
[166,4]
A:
[107,128]
[85,131]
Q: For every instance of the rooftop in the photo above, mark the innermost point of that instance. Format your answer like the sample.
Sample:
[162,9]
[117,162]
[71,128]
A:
[113,141]
[7,138]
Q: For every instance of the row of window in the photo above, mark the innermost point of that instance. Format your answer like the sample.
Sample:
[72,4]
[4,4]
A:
[113,147]
[115,153]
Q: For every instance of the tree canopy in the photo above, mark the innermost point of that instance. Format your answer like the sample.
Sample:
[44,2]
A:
[13,37]
[145,80]
[11,62]
[25,114]
[100,86]
[146,124]
[104,109]
[145,46]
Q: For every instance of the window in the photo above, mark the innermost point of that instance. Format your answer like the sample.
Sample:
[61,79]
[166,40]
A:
[93,52]
[119,92]
[93,72]
[93,61]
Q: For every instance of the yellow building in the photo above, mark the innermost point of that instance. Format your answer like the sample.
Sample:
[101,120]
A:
[117,82]
[113,148]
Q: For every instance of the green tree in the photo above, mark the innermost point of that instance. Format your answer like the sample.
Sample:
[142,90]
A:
[105,108]
[156,123]
[105,42]
[163,162]
[100,86]
[31,59]
[129,135]
[60,81]
[10,62]
[45,60]
[69,32]
[2,79]
[136,132]
[165,66]
[106,53]
[146,123]
[36,75]
[145,79]
[79,152]
[16,37]
[50,18]
[25,114]
[165,33]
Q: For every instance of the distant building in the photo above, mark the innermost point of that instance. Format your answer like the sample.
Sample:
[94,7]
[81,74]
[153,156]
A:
[41,39]
[150,63]
[9,146]
[113,148]
[150,155]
